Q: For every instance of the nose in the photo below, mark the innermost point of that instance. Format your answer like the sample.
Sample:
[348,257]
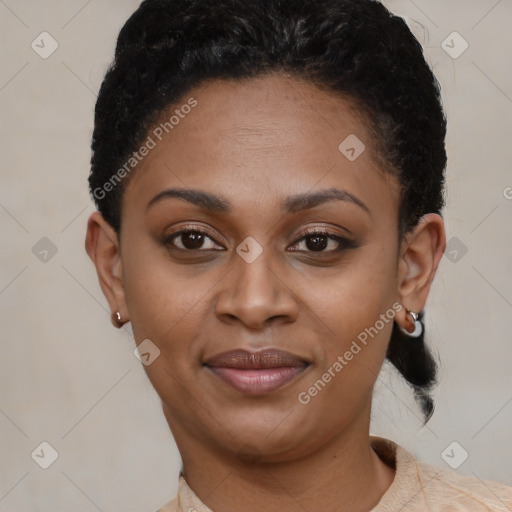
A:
[256,294]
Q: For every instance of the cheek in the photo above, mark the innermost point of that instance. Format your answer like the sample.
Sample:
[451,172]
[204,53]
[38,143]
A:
[162,303]
[166,309]
[359,312]
[357,306]
[355,297]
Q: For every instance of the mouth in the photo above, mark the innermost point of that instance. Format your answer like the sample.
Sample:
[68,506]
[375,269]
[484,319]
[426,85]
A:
[256,373]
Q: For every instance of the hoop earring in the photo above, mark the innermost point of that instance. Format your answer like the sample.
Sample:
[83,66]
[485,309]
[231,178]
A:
[418,326]
[116,318]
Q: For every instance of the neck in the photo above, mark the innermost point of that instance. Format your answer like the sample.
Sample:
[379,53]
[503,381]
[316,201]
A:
[344,474]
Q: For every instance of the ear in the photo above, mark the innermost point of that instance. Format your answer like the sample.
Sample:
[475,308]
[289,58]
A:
[420,254]
[102,246]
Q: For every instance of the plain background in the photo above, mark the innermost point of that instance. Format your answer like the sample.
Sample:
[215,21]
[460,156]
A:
[69,378]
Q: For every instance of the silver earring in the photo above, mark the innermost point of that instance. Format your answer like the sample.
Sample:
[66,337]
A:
[418,326]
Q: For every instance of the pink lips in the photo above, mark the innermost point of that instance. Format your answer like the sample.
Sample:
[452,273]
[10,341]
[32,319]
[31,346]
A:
[256,373]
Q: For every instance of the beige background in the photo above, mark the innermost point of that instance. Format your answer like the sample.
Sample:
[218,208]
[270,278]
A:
[69,378]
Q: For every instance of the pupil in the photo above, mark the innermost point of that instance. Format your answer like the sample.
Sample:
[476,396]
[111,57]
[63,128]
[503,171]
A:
[316,245]
[195,238]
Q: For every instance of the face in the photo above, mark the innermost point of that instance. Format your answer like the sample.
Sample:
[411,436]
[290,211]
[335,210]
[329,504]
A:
[294,249]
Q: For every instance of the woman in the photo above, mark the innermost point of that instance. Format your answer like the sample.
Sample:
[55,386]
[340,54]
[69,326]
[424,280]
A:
[269,182]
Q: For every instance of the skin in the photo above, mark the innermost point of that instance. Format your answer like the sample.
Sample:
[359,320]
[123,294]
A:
[256,143]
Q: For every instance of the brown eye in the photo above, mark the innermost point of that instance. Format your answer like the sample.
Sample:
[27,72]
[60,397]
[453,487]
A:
[190,240]
[318,240]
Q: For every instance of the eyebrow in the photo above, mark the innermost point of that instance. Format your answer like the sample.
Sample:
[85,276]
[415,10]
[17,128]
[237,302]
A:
[291,204]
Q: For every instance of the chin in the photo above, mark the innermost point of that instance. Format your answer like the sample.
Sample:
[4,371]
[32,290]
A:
[267,438]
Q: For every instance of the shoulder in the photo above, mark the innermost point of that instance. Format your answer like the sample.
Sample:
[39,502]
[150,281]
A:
[452,491]
[419,486]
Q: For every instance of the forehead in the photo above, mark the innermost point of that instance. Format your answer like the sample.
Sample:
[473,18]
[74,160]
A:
[267,112]
[254,139]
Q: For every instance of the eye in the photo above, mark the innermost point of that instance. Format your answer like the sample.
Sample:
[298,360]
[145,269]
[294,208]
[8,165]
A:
[190,240]
[318,239]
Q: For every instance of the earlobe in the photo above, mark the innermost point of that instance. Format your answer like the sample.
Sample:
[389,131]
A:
[102,246]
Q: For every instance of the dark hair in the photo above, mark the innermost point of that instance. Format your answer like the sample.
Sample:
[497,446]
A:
[355,48]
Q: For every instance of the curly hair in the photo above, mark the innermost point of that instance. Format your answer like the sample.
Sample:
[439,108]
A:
[354,48]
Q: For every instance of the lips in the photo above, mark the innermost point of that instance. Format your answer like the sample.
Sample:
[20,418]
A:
[256,373]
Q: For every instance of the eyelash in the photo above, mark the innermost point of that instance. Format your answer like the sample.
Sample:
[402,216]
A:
[344,243]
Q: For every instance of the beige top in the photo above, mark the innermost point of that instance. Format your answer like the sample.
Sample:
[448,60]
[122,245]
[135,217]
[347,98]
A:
[417,487]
